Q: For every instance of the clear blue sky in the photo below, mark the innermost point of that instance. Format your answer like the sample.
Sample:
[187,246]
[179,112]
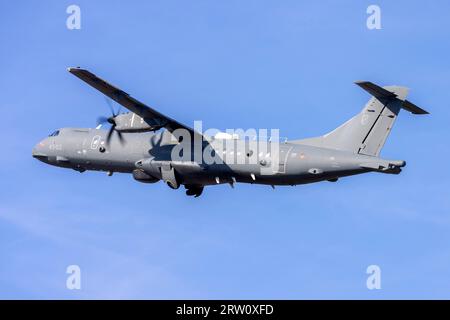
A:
[232,64]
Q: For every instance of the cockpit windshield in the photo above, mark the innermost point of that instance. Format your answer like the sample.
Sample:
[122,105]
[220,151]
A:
[54,134]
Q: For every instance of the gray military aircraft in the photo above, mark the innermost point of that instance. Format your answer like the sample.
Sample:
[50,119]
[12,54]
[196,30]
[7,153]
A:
[154,147]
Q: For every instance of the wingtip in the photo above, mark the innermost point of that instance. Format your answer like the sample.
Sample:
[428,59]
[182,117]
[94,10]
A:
[70,69]
[362,82]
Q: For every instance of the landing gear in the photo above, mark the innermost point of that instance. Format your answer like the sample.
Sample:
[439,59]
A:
[195,191]
[172,185]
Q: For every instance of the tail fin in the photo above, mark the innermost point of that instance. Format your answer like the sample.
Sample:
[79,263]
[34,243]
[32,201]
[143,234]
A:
[367,132]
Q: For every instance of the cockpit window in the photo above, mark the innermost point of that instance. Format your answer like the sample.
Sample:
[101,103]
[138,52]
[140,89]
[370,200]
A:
[54,134]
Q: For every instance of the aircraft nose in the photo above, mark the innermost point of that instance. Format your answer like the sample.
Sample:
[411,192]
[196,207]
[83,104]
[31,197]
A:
[39,150]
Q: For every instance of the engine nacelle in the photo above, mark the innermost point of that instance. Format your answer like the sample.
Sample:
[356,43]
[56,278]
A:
[131,122]
[142,176]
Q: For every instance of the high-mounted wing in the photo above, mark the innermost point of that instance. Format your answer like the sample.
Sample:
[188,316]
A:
[155,119]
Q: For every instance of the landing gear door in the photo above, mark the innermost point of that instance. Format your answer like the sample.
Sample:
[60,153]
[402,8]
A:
[284,154]
[168,175]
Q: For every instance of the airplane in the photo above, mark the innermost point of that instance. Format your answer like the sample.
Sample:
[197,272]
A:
[154,147]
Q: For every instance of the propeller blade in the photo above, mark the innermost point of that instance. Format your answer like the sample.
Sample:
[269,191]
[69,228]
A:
[121,138]
[110,105]
[108,136]
[112,121]
[102,120]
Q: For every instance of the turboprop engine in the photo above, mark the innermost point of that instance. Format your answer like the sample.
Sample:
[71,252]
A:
[131,122]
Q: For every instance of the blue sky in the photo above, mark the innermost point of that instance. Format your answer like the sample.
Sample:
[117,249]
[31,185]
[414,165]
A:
[232,64]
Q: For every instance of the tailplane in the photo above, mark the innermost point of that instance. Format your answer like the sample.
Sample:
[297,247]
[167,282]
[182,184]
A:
[367,132]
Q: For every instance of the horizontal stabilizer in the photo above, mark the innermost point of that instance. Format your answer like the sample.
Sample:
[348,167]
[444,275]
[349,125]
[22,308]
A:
[411,107]
[377,91]
[386,95]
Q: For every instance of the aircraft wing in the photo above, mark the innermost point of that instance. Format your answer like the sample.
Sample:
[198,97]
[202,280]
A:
[150,115]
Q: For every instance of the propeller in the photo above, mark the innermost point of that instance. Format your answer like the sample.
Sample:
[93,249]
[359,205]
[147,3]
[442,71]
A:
[112,121]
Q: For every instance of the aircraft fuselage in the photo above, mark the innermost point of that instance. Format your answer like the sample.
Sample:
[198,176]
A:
[150,158]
